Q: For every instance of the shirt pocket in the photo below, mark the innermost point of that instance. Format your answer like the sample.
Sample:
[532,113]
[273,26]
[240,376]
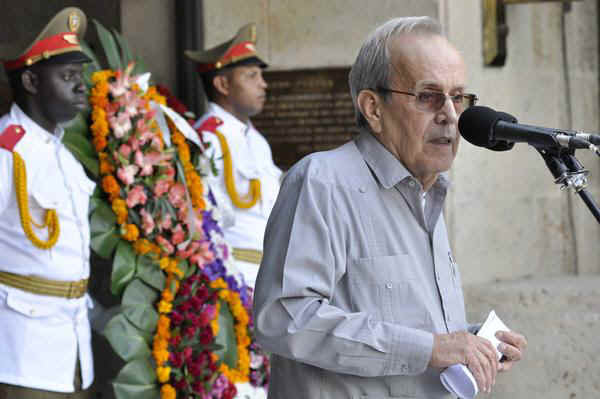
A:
[29,308]
[45,196]
[388,288]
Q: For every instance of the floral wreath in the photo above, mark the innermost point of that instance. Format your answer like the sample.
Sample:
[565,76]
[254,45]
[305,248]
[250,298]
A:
[185,325]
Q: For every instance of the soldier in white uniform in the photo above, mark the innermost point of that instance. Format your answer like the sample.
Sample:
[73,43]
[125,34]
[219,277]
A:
[248,180]
[45,338]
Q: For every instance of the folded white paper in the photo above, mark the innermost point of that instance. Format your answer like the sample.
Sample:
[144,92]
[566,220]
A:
[457,379]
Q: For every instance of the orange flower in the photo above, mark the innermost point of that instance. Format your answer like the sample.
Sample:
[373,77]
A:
[119,207]
[167,392]
[142,246]
[131,232]
[105,165]
[99,143]
[163,374]
[164,307]
[160,356]
[110,186]
[162,327]
[102,76]
[99,127]
[167,295]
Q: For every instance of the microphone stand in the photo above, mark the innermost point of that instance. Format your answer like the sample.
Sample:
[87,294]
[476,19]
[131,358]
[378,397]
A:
[569,173]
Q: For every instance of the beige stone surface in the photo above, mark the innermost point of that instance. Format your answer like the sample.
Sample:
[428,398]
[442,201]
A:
[560,318]
[149,28]
[506,215]
[307,34]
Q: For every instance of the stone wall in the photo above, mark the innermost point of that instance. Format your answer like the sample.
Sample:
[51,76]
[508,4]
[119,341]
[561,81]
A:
[520,241]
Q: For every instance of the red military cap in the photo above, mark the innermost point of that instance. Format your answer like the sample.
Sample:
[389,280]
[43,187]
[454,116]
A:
[58,41]
[239,50]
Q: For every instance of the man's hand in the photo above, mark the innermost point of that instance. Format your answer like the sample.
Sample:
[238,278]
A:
[475,352]
[512,347]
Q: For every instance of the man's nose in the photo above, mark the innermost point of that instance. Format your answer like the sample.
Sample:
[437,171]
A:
[447,115]
[80,86]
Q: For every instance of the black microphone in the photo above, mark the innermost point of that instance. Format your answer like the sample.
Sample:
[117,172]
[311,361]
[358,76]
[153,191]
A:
[484,127]
[504,145]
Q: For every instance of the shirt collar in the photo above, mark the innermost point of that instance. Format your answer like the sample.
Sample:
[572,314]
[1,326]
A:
[385,166]
[32,129]
[226,117]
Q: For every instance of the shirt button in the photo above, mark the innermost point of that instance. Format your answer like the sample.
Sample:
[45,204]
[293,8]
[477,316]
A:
[411,183]
[389,286]
[362,190]
[32,312]
[448,317]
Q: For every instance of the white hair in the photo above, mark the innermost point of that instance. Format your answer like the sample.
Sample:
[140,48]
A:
[371,69]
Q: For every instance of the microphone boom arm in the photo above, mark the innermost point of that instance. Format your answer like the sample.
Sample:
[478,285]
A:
[569,173]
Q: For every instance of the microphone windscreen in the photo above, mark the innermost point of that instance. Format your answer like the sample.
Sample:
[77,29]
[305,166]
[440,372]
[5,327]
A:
[504,145]
[476,125]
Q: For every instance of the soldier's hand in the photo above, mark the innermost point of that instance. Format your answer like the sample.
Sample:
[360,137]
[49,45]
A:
[475,352]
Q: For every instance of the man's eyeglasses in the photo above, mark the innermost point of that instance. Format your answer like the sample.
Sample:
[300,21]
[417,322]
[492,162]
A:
[433,101]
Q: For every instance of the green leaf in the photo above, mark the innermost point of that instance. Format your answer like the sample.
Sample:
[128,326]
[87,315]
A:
[94,202]
[185,267]
[149,272]
[127,341]
[137,380]
[138,305]
[87,50]
[123,267]
[109,46]
[226,337]
[82,149]
[103,230]
[126,55]
[140,67]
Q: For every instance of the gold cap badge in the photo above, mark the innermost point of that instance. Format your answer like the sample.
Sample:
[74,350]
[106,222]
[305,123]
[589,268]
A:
[73,22]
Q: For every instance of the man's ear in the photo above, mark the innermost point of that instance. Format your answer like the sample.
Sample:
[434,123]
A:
[221,84]
[369,104]
[30,81]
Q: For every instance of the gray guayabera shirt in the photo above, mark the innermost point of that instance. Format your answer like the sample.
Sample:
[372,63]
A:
[356,276]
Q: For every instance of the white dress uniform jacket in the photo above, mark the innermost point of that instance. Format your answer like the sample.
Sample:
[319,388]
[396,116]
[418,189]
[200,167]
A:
[252,159]
[41,337]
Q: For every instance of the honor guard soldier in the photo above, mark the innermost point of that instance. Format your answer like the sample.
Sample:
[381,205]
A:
[45,338]
[248,180]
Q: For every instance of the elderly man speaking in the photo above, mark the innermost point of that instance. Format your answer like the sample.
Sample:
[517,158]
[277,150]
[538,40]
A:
[358,295]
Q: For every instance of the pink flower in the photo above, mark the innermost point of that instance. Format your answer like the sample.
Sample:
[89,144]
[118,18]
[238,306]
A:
[125,151]
[178,235]
[127,173]
[147,221]
[170,172]
[141,161]
[161,187]
[182,214]
[203,256]
[134,143]
[189,251]
[156,143]
[156,157]
[120,124]
[177,195]
[122,82]
[131,103]
[136,196]
[143,131]
[165,222]
[165,245]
